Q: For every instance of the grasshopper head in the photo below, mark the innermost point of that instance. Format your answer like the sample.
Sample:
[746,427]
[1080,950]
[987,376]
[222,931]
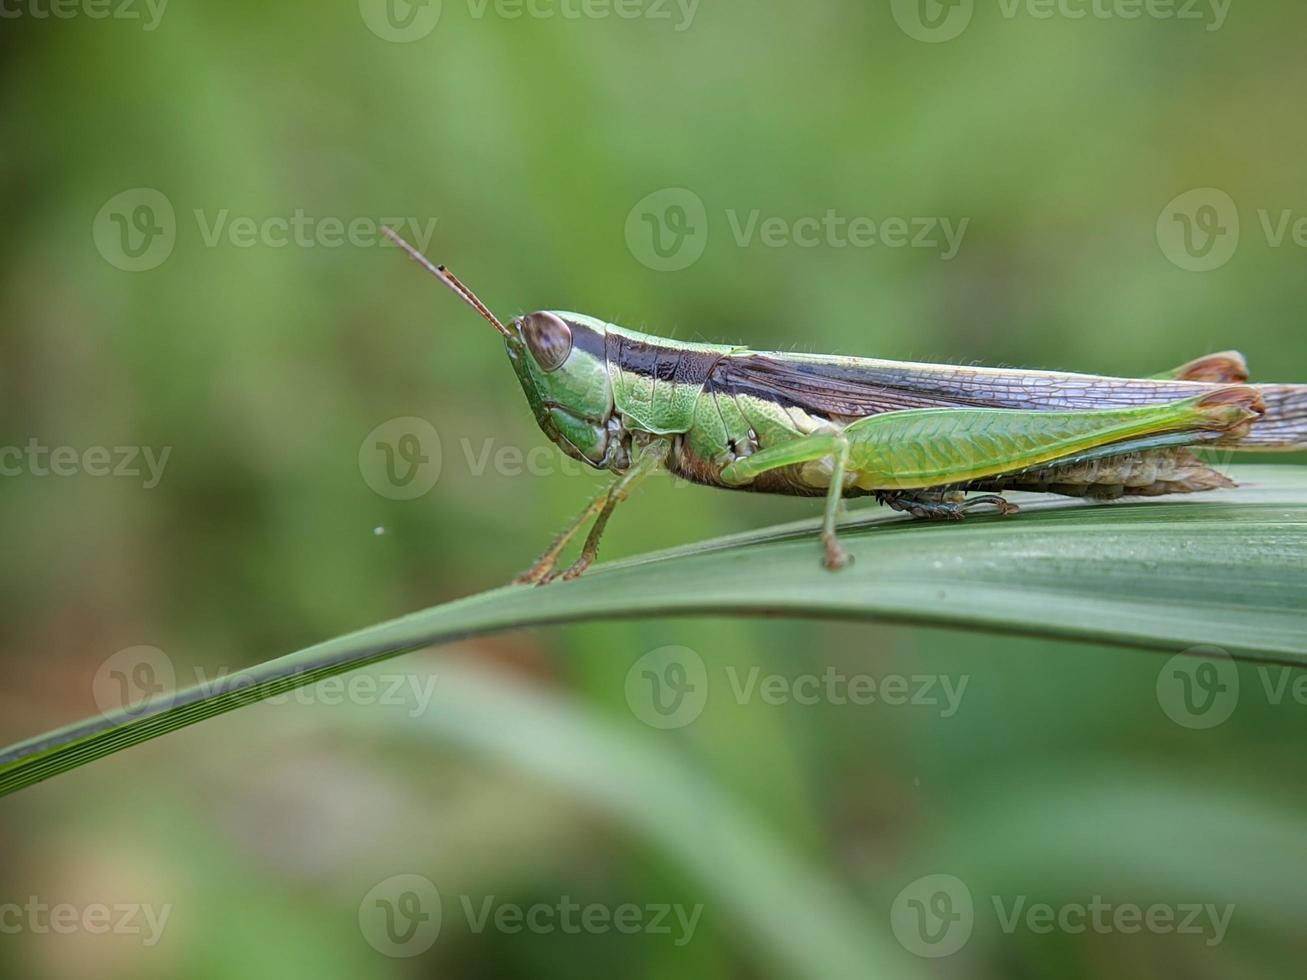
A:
[559,360]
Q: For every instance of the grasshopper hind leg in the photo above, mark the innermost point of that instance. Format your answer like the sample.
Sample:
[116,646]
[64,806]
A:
[941,505]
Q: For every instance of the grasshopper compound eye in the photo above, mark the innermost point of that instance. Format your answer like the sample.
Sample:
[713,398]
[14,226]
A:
[548,338]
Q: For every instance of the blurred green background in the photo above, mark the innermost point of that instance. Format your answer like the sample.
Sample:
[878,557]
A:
[533,137]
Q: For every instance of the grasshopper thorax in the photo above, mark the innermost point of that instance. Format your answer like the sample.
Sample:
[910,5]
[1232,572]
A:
[560,361]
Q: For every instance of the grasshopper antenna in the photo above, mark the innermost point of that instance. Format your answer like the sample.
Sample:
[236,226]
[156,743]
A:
[450,280]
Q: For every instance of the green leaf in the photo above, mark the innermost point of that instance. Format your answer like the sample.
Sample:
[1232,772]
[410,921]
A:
[1226,569]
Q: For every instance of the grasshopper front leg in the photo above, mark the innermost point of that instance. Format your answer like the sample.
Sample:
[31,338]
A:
[649,458]
[543,567]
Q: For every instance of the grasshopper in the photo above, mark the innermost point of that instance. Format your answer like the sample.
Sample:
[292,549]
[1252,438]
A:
[918,437]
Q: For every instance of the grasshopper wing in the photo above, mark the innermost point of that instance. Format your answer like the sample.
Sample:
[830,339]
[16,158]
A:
[854,387]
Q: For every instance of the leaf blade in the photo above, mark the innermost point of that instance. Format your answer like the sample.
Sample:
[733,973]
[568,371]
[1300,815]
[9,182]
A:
[1229,570]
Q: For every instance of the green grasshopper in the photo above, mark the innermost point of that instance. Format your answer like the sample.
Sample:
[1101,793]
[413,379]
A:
[918,437]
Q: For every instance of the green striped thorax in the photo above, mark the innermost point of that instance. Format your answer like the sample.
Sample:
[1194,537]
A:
[560,361]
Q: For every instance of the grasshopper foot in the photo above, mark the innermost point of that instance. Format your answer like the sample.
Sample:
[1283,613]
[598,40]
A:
[578,568]
[575,570]
[836,557]
[540,573]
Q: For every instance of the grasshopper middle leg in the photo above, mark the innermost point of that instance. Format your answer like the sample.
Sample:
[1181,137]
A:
[832,445]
